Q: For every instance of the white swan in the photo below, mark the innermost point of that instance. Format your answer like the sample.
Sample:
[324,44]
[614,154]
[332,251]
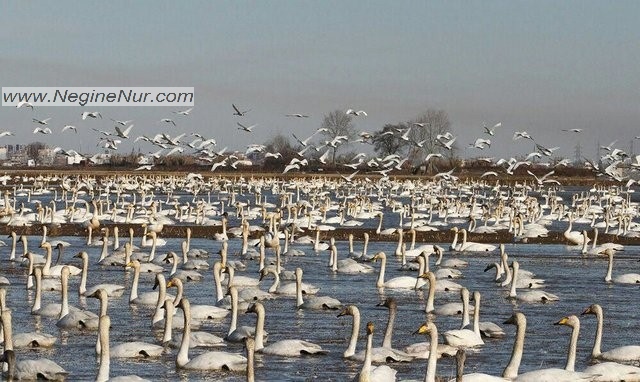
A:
[370,373]
[473,377]
[113,290]
[105,355]
[626,353]
[487,328]
[145,299]
[23,340]
[32,369]
[286,289]
[313,302]
[348,266]
[285,348]
[70,318]
[470,246]
[213,360]
[430,329]
[530,296]
[196,339]
[199,312]
[465,337]
[574,237]
[627,278]
[182,274]
[406,282]
[235,333]
[54,271]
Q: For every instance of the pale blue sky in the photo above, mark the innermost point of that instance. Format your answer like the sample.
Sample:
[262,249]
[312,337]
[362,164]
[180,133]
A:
[539,66]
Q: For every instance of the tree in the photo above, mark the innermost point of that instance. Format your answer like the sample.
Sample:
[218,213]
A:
[424,134]
[279,144]
[338,128]
[386,141]
[34,150]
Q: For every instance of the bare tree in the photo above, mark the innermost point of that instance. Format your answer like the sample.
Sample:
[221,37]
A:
[424,132]
[34,150]
[387,142]
[279,144]
[338,130]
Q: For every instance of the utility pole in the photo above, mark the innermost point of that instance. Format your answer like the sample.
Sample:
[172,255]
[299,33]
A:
[577,154]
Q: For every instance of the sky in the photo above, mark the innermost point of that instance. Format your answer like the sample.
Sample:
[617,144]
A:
[535,66]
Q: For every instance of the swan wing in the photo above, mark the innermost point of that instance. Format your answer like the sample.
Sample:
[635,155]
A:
[217,360]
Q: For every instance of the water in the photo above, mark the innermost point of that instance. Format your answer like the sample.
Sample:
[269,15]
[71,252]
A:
[576,280]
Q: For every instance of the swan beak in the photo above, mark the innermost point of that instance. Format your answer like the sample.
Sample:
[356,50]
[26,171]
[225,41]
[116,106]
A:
[78,255]
[563,321]
[170,284]
[423,329]
[587,311]
[510,320]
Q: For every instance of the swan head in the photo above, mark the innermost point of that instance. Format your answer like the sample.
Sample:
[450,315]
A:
[379,256]
[428,276]
[426,328]
[491,266]
[370,328]
[571,321]
[174,282]
[81,255]
[517,318]
[256,307]
[45,245]
[99,294]
[133,264]
[348,311]
[593,309]
[389,302]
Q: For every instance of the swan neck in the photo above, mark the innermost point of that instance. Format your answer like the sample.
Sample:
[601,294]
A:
[514,279]
[430,376]
[383,267]
[64,281]
[7,330]
[476,318]
[83,279]
[299,300]
[388,334]
[134,284]
[259,335]
[168,322]
[573,344]
[355,329]
[511,371]
[37,301]
[595,352]
[429,307]
[103,345]
[465,310]
[607,277]
[234,310]
[183,354]
[365,372]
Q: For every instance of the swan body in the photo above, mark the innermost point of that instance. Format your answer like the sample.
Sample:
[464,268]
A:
[627,278]
[404,282]
[465,337]
[32,369]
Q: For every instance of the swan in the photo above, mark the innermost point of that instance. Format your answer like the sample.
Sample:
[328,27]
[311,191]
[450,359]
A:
[199,312]
[32,369]
[448,263]
[148,298]
[70,318]
[313,302]
[286,289]
[23,340]
[105,355]
[113,290]
[574,237]
[406,282]
[370,373]
[466,337]
[222,236]
[470,246]
[213,360]
[568,373]
[430,329]
[182,274]
[473,377]
[54,271]
[530,296]
[192,264]
[285,348]
[49,310]
[380,354]
[237,334]
[45,284]
[348,266]
[196,339]
[487,328]
[250,346]
[627,278]
[626,353]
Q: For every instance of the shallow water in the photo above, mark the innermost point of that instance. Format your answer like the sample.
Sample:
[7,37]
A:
[577,280]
